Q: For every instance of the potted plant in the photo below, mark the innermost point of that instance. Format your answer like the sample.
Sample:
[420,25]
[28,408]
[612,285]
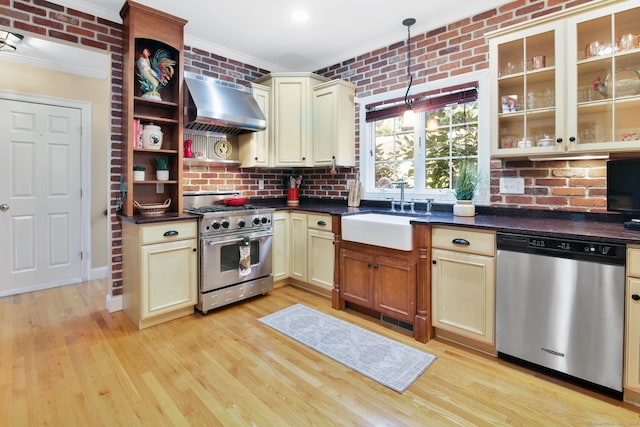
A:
[138,172]
[162,168]
[465,186]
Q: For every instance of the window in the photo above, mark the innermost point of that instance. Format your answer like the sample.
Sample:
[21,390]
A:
[426,154]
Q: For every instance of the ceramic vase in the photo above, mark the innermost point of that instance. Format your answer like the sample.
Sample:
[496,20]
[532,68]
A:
[464,208]
[138,175]
[162,175]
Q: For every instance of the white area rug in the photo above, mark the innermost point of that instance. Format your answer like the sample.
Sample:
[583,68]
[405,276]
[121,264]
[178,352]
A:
[386,361]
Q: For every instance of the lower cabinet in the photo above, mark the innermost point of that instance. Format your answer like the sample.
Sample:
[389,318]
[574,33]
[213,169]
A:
[303,250]
[463,286]
[632,327]
[384,283]
[160,271]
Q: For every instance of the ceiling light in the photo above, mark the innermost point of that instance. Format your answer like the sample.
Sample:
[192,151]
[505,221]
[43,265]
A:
[408,117]
[9,41]
[300,16]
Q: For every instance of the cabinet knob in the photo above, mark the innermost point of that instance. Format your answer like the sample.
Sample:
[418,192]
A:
[368,265]
[635,297]
[195,249]
[572,139]
[255,158]
[375,266]
[434,262]
[559,140]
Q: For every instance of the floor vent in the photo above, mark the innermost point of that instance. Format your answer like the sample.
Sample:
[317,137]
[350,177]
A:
[396,323]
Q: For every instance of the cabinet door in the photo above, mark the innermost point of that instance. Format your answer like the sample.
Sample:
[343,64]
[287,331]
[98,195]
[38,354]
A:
[334,124]
[527,74]
[632,335]
[290,119]
[604,84]
[320,258]
[463,294]
[356,276]
[298,254]
[280,246]
[169,276]
[395,287]
[253,147]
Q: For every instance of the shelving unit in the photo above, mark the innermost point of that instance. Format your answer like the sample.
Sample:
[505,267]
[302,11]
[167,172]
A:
[147,29]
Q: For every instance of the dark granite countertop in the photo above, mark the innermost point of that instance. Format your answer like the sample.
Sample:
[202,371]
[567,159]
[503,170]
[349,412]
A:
[171,216]
[596,227]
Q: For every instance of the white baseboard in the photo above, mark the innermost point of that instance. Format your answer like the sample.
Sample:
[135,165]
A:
[114,303]
[99,273]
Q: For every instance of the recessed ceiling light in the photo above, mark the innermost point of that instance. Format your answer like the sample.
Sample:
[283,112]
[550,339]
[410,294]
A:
[300,16]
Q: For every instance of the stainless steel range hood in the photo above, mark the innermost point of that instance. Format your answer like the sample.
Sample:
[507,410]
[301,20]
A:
[211,106]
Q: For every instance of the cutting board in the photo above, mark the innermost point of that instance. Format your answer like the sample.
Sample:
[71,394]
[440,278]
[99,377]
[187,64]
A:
[355,194]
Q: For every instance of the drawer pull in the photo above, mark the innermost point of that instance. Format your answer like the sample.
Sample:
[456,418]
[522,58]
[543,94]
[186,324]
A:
[322,223]
[460,241]
[635,297]
[170,233]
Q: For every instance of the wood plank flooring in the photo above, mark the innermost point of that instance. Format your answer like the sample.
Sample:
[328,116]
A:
[66,361]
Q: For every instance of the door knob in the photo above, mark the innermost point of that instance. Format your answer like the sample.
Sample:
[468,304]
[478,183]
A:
[4,207]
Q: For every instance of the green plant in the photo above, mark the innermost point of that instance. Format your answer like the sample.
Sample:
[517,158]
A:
[139,168]
[467,181]
[162,163]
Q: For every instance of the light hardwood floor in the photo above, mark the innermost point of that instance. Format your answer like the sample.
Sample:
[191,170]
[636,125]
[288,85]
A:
[66,361]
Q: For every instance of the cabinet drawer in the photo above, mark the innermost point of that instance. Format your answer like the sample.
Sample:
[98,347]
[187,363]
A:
[166,231]
[479,242]
[319,222]
[633,261]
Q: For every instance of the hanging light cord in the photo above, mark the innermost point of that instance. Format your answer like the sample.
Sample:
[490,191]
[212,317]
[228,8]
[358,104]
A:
[408,22]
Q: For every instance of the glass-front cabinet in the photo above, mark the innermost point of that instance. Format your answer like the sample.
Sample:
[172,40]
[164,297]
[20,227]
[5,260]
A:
[568,85]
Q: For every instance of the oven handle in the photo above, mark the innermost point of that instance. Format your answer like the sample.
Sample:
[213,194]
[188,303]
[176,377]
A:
[238,239]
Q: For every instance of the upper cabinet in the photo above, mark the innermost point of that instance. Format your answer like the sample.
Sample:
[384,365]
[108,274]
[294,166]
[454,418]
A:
[334,124]
[152,106]
[567,84]
[254,146]
[311,122]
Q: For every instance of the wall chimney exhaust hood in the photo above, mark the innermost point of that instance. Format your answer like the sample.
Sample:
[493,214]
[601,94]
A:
[213,107]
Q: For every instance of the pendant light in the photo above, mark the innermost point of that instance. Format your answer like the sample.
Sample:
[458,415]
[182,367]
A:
[409,116]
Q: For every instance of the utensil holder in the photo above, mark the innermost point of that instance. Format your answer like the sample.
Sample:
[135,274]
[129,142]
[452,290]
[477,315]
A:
[293,196]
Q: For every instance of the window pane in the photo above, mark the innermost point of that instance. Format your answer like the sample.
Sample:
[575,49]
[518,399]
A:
[394,151]
[438,175]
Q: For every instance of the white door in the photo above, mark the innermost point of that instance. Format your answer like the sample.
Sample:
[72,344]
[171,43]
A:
[40,196]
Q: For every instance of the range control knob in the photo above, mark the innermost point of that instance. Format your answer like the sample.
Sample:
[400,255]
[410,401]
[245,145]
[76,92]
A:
[240,223]
[215,225]
[256,221]
[264,220]
[225,223]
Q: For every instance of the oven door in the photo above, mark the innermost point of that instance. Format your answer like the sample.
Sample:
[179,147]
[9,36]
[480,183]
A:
[228,260]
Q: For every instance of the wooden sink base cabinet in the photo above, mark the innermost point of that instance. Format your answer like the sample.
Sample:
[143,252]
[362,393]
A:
[382,281]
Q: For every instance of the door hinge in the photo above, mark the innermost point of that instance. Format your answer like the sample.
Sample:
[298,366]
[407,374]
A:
[81,256]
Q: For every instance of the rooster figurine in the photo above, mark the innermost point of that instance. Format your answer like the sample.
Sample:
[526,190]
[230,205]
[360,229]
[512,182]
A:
[155,72]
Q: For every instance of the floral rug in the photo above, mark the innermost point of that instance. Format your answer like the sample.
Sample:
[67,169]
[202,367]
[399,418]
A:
[392,364]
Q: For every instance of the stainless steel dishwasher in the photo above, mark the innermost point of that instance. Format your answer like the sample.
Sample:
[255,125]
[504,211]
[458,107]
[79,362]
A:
[560,306]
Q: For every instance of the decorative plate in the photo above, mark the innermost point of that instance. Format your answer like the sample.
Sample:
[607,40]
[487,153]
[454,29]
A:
[223,149]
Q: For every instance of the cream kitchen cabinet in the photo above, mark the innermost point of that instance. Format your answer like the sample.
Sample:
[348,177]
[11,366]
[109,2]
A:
[632,327]
[463,286]
[160,274]
[254,147]
[281,247]
[298,256]
[334,124]
[303,250]
[567,84]
[291,117]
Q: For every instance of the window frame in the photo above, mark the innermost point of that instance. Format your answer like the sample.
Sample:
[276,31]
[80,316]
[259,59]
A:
[367,142]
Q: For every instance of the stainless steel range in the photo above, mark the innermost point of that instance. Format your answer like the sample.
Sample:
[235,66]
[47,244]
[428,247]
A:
[235,249]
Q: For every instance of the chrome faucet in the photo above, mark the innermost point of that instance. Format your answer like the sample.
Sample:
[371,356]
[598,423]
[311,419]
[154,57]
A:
[402,203]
